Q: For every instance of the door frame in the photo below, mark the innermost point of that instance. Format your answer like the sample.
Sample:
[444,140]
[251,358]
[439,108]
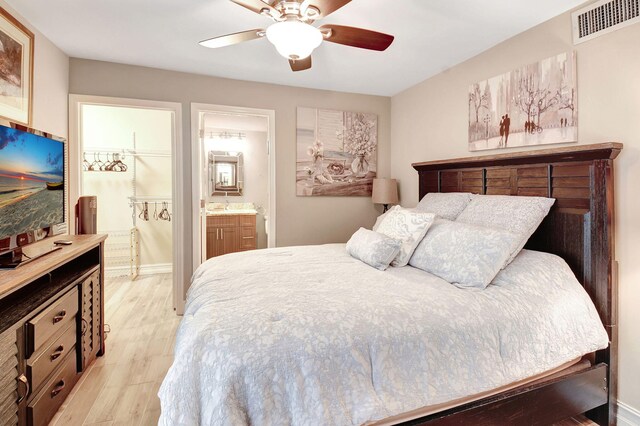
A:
[178,199]
[199,171]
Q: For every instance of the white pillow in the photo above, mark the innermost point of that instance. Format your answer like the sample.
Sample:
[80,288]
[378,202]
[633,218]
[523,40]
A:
[405,225]
[372,248]
[463,254]
[379,220]
[520,215]
[447,205]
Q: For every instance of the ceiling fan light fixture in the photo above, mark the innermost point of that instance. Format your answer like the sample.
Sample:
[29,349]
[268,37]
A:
[294,39]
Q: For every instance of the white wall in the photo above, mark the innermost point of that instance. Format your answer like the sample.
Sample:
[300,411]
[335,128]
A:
[429,122]
[115,128]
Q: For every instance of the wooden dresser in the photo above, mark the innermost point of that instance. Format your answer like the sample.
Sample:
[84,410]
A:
[230,233]
[51,328]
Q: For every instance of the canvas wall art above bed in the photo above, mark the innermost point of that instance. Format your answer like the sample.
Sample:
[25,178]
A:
[336,152]
[531,105]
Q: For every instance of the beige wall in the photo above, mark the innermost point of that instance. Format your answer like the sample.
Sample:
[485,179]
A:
[310,220]
[50,82]
[50,108]
[429,122]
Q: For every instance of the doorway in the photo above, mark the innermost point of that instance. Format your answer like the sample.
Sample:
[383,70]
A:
[125,152]
[234,167]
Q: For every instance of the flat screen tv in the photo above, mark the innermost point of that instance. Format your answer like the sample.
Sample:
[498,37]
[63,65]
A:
[32,190]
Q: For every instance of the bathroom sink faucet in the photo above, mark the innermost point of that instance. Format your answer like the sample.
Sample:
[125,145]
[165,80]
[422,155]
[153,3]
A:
[226,207]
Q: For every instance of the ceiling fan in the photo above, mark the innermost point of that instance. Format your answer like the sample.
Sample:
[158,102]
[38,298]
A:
[293,34]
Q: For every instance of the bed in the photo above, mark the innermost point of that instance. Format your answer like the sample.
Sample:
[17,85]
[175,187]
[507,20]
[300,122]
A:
[309,335]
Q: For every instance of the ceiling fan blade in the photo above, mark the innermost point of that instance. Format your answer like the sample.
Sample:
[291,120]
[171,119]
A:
[259,7]
[300,64]
[358,37]
[235,38]
[326,7]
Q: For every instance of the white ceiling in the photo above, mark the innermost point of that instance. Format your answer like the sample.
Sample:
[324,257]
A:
[431,36]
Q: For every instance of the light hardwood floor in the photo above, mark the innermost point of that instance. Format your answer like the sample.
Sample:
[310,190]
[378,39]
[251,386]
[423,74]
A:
[121,387]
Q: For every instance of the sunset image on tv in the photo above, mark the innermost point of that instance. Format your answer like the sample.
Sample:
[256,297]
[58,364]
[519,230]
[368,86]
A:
[31,182]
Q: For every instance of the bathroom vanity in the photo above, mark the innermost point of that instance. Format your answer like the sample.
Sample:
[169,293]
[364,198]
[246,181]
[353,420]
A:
[230,231]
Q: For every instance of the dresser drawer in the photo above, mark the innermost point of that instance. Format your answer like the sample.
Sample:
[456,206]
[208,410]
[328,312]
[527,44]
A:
[248,220]
[46,360]
[247,238]
[43,406]
[54,319]
[222,221]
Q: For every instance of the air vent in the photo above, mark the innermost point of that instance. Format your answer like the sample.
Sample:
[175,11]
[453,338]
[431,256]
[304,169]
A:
[602,17]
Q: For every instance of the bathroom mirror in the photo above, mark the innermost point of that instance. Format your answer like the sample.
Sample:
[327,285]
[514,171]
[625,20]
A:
[225,173]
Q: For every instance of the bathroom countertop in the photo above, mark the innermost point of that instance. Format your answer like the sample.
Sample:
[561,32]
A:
[221,212]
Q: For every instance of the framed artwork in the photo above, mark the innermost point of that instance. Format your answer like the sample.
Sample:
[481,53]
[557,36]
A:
[532,105]
[16,69]
[336,152]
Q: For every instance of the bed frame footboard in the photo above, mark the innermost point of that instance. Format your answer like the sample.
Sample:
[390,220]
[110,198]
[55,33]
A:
[540,404]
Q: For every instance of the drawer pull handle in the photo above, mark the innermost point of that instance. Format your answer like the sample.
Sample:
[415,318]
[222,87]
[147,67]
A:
[248,238]
[59,387]
[56,354]
[23,379]
[59,317]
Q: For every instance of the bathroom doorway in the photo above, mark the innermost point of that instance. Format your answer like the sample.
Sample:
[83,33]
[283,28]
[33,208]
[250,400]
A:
[234,164]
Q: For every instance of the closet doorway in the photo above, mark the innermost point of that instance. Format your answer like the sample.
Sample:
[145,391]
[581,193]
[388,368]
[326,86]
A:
[125,155]
[234,165]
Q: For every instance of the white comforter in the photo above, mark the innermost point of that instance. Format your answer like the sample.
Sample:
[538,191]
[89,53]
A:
[311,336]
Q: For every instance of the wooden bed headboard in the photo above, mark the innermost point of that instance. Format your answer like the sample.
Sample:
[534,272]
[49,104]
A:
[580,225]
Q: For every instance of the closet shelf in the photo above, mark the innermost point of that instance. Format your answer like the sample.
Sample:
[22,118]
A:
[127,151]
[145,153]
[142,199]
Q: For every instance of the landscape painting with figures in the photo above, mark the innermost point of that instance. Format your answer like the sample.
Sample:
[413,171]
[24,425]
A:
[336,152]
[532,105]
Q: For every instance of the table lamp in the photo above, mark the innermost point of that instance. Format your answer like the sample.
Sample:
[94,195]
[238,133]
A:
[385,192]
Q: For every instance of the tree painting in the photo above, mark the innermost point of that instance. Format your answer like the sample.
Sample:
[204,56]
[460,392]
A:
[532,105]
[478,100]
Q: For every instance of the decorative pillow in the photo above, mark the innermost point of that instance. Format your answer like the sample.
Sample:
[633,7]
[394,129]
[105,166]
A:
[445,205]
[405,225]
[463,254]
[379,220]
[520,215]
[372,248]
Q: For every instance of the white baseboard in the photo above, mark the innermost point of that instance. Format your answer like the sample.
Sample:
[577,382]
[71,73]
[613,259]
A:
[156,268]
[117,271]
[152,269]
[628,416]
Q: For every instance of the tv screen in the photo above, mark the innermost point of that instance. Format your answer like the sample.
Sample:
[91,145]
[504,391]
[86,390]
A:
[31,185]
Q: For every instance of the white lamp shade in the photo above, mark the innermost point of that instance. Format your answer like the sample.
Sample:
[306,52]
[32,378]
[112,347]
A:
[294,39]
[385,191]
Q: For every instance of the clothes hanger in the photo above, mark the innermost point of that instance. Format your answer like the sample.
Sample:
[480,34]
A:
[85,163]
[109,164]
[102,163]
[95,164]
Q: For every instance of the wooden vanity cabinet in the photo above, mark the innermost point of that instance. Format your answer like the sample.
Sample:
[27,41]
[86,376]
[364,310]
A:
[51,328]
[230,234]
